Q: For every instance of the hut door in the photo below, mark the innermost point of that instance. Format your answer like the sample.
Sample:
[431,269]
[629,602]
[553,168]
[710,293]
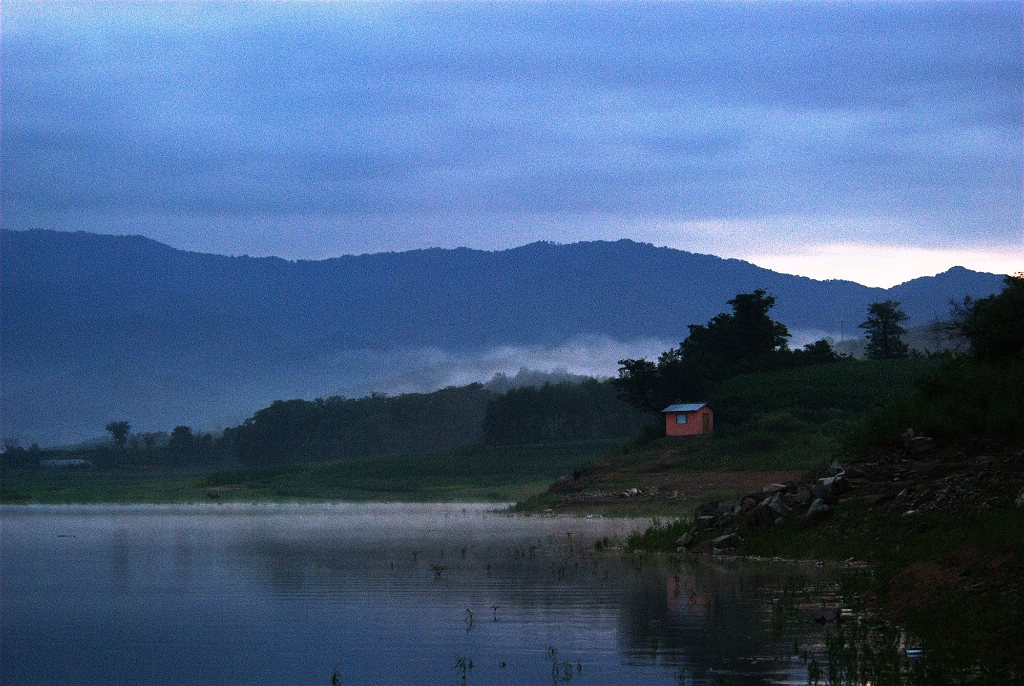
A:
[705,423]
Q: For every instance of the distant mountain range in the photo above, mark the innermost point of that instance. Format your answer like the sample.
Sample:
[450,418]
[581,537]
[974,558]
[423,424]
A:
[98,327]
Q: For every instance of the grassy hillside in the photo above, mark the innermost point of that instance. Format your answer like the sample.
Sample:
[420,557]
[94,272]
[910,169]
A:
[777,422]
[481,473]
[20,486]
[788,419]
[487,473]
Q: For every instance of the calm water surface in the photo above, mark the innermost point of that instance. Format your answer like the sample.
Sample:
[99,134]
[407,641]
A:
[393,594]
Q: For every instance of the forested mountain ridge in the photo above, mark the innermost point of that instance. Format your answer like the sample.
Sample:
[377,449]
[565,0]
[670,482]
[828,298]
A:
[97,327]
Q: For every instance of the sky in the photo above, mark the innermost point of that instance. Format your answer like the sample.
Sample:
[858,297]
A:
[872,141]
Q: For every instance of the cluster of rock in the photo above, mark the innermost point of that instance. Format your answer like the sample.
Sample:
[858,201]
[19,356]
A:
[770,506]
[571,496]
[913,480]
[652,492]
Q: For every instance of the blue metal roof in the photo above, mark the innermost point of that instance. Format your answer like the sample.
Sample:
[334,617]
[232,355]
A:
[684,407]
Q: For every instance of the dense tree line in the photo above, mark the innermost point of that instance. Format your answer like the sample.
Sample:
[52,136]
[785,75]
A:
[745,340]
[991,327]
[590,409]
[290,431]
[332,428]
[977,395]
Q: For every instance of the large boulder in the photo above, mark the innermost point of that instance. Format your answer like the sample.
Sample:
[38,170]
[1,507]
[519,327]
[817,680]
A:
[921,444]
[707,509]
[830,487]
[818,511]
[749,502]
[802,497]
[727,508]
[916,443]
[726,541]
[776,505]
[762,515]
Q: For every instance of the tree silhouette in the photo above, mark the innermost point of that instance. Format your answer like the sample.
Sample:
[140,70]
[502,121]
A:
[182,439]
[119,432]
[745,340]
[991,326]
[884,333]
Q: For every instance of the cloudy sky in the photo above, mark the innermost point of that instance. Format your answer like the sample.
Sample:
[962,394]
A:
[865,140]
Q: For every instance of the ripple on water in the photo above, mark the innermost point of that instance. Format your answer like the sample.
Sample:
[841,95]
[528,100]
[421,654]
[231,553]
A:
[384,593]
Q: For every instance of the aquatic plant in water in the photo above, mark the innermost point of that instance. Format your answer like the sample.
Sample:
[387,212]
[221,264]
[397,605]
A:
[860,653]
[463,666]
[561,672]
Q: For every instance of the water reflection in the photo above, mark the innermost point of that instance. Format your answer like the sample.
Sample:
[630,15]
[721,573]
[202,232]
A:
[384,593]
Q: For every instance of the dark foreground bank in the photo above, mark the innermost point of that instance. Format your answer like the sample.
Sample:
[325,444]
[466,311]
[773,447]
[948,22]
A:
[941,534]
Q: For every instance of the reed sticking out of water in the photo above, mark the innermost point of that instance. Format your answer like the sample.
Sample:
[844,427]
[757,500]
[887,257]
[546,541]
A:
[463,666]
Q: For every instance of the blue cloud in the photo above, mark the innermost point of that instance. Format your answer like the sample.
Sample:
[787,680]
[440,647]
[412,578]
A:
[196,117]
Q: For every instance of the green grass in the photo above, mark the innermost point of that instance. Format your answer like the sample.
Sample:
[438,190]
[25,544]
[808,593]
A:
[960,403]
[790,419]
[819,393]
[658,536]
[774,441]
[489,473]
[485,473]
[56,486]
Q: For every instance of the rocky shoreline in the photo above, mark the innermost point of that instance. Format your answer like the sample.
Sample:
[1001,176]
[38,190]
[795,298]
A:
[939,530]
[916,479]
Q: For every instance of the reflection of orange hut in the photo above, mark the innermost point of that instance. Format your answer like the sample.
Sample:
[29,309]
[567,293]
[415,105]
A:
[683,596]
[688,419]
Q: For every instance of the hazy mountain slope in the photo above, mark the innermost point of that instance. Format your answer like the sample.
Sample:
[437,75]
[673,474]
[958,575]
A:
[97,327]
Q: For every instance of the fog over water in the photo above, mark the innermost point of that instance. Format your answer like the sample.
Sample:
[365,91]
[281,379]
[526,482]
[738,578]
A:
[382,593]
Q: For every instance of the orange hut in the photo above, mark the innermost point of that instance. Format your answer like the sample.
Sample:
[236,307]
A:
[688,419]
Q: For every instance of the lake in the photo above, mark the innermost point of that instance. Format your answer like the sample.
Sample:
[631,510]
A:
[397,594]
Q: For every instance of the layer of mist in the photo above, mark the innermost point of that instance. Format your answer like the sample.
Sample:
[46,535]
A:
[153,398]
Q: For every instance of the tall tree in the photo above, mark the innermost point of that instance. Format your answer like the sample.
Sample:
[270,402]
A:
[993,327]
[638,383]
[748,339]
[182,439]
[119,432]
[745,340]
[884,331]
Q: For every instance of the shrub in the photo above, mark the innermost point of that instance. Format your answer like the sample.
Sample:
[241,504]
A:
[962,401]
